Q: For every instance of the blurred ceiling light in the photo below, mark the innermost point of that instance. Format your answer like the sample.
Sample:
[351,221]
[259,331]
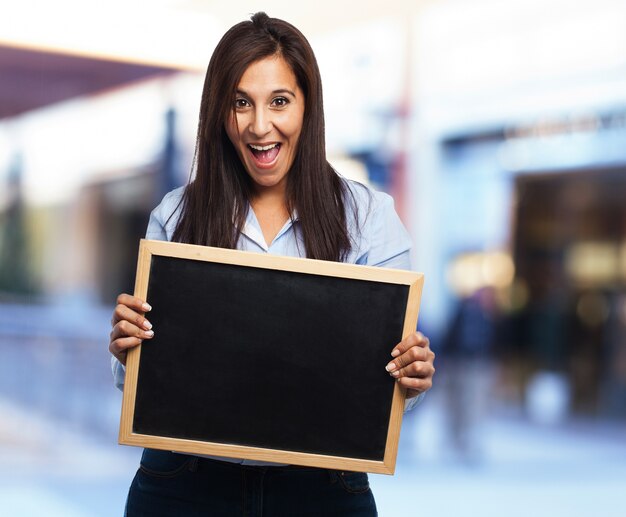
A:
[464,274]
[469,272]
[168,33]
[155,33]
[498,269]
[622,260]
[592,262]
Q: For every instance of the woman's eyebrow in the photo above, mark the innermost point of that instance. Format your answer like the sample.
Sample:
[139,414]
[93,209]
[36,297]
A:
[284,90]
[239,91]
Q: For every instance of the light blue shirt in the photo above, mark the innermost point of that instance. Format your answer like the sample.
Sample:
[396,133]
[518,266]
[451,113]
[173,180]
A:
[377,235]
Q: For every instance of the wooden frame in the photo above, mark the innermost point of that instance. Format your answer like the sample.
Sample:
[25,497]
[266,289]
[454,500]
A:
[148,249]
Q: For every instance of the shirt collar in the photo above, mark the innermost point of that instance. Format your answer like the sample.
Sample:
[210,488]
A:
[252,228]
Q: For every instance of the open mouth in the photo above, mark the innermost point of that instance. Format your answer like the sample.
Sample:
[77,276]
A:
[264,154]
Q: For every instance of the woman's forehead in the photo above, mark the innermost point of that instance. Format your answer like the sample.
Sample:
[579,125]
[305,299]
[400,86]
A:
[267,75]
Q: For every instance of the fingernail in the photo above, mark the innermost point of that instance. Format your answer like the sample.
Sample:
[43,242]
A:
[146,307]
[390,367]
[148,333]
[147,325]
[395,353]
[395,374]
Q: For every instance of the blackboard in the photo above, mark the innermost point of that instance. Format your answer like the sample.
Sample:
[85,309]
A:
[268,358]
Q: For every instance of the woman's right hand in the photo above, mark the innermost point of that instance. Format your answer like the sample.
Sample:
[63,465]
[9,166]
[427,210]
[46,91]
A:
[130,327]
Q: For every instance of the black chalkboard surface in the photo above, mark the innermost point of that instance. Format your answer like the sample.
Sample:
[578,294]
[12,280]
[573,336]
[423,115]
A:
[269,358]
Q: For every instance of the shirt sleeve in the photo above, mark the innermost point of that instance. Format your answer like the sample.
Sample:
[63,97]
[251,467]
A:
[164,217]
[119,372]
[411,403]
[386,243]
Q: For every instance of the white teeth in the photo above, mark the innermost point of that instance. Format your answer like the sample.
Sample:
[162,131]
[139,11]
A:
[262,147]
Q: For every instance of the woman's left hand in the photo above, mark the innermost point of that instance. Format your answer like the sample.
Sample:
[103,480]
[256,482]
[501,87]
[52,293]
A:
[413,364]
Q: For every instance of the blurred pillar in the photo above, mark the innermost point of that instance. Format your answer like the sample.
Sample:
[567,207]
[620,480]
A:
[167,175]
[15,276]
[398,184]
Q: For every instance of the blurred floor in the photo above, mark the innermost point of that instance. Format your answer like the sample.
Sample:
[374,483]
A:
[59,455]
[577,469]
[48,469]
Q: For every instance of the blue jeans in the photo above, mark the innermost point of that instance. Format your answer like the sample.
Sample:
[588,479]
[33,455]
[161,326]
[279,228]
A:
[168,484]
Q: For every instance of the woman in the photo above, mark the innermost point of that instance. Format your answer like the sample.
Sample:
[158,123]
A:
[263,184]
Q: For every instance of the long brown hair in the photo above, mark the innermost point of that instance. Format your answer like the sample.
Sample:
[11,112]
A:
[215,203]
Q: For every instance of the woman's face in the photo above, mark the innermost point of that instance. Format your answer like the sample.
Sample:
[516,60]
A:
[267,120]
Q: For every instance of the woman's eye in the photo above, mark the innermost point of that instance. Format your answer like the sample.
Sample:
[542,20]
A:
[241,103]
[280,102]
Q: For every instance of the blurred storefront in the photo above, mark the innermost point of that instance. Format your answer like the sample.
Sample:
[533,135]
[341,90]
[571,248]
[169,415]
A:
[521,138]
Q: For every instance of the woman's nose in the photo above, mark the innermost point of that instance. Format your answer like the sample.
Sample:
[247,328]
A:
[261,124]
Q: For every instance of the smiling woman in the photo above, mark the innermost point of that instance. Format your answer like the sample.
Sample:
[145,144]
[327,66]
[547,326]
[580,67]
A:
[266,124]
[267,69]
[262,183]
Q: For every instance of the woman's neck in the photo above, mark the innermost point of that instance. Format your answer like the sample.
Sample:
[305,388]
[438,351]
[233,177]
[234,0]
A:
[270,208]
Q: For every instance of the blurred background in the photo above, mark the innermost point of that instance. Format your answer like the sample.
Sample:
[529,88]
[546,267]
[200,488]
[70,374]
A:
[498,126]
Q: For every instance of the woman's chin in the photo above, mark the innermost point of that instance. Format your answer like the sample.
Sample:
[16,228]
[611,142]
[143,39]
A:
[268,181]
